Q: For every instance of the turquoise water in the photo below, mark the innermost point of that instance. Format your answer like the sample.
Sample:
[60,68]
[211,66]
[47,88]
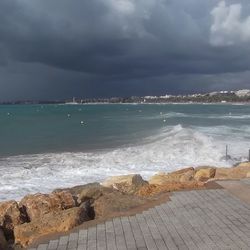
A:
[31,129]
[46,146]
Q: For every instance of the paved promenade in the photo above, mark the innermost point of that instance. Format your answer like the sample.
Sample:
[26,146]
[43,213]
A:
[202,219]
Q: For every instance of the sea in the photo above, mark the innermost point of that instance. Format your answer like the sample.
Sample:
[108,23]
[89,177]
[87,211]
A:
[43,147]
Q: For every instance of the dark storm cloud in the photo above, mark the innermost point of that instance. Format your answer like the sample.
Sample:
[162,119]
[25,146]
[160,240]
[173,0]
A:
[142,45]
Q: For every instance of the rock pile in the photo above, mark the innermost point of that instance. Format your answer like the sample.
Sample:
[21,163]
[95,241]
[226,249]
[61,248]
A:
[39,214]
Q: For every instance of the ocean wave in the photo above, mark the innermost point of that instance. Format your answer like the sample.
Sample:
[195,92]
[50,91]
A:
[229,116]
[171,148]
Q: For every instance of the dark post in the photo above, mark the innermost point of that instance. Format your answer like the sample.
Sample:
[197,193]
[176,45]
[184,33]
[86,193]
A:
[249,155]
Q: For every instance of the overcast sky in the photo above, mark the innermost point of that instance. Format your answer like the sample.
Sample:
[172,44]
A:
[55,49]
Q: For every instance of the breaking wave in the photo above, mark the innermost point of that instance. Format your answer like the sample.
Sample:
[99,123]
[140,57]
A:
[208,116]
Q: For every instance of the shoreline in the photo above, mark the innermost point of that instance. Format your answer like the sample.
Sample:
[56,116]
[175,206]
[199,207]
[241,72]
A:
[129,103]
[40,215]
[146,178]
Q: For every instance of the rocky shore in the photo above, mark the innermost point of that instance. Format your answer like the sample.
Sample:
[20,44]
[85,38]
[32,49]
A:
[37,215]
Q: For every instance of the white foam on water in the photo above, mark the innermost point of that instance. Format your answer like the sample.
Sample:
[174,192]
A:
[208,116]
[170,149]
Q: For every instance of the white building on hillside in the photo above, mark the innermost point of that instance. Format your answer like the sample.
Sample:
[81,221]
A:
[243,92]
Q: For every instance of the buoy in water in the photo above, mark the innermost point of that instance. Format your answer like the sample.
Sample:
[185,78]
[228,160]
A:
[68,115]
[82,122]
[164,120]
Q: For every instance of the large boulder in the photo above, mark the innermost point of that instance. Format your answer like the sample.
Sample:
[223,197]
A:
[155,189]
[76,191]
[10,216]
[245,164]
[237,172]
[53,222]
[223,173]
[39,204]
[183,175]
[125,183]
[187,176]
[113,203]
[204,174]
[92,193]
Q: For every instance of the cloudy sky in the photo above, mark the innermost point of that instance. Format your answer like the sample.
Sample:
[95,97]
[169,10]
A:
[55,49]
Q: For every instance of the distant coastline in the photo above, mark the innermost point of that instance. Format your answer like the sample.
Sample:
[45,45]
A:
[240,96]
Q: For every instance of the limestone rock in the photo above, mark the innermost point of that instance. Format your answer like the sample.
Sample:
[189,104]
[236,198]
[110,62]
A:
[76,191]
[38,205]
[244,164]
[154,189]
[53,222]
[248,175]
[125,183]
[115,202]
[223,173]
[92,193]
[237,172]
[182,171]
[159,179]
[203,167]
[10,216]
[182,175]
[187,176]
[204,174]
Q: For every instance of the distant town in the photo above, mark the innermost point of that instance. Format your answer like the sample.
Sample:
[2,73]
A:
[239,96]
